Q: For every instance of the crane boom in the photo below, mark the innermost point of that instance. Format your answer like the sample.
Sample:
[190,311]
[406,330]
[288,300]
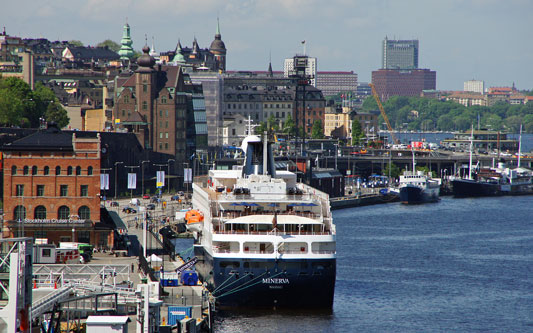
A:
[383,114]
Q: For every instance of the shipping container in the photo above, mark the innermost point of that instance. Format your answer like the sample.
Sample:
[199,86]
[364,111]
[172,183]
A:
[177,313]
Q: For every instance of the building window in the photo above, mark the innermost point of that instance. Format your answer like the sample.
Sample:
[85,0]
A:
[160,135]
[13,170]
[78,170]
[123,113]
[160,113]
[166,124]
[40,190]
[163,99]
[34,170]
[145,105]
[39,213]
[20,213]
[166,145]
[58,170]
[69,170]
[145,88]
[46,170]
[84,190]
[63,190]
[126,99]
[166,113]
[166,135]
[25,170]
[229,106]
[63,213]
[89,171]
[19,192]
[160,146]
[84,213]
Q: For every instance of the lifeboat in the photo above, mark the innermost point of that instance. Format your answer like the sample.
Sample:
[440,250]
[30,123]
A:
[194,219]
[193,216]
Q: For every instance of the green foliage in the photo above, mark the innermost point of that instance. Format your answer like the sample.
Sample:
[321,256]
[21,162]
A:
[289,127]
[75,42]
[393,169]
[418,113]
[317,132]
[20,106]
[113,46]
[357,132]
[57,114]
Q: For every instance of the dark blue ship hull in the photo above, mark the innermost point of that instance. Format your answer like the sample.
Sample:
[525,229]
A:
[268,283]
[473,188]
[416,195]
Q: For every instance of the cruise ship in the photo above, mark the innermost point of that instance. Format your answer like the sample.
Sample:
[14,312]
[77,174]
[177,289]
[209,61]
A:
[263,240]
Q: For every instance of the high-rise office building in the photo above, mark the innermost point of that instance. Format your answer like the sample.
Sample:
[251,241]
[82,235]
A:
[310,67]
[400,54]
[474,86]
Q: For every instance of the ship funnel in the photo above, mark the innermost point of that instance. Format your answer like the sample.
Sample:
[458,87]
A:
[258,158]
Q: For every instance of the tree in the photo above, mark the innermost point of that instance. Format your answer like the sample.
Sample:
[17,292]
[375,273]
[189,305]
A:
[56,113]
[317,132]
[113,46]
[357,132]
[75,43]
[391,169]
[289,127]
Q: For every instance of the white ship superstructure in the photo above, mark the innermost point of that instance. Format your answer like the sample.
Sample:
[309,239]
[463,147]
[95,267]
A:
[265,239]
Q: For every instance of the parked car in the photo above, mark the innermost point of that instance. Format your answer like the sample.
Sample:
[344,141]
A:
[150,206]
[146,196]
[129,210]
[114,204]
[155,200]
[175,198]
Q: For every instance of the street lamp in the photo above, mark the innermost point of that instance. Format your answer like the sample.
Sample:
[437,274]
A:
[168,166]
[116,163]
[142,173]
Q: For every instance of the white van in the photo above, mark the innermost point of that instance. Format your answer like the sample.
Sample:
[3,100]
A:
[135,202]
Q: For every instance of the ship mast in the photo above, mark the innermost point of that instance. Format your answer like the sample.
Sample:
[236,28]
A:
[471,148]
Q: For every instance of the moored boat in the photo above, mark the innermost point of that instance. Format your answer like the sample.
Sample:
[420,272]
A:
[266,240]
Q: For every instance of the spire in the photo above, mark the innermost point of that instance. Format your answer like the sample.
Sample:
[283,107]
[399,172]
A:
[153,53]
[126,49]
[218,27]
[179,58]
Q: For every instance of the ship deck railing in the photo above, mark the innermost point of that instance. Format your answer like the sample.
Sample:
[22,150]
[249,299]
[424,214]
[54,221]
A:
[231,214]
[270,233]
[271,252]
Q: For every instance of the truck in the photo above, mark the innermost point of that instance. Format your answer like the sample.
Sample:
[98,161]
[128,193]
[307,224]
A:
[86,250]
[50,254]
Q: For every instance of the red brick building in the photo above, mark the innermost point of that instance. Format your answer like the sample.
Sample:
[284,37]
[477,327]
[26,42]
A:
[315,108]
[51,188]
[394,82]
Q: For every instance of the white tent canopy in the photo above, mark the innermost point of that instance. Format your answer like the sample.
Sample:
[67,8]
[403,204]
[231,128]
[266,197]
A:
[154,258]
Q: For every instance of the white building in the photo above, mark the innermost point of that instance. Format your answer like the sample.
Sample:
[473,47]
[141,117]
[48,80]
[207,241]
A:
[309,70]
[474,86]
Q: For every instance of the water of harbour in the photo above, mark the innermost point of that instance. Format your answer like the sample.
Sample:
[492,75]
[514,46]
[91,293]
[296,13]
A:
[456,265]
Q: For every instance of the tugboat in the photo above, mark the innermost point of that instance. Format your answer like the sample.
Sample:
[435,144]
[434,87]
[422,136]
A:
[417,187]
[266,241]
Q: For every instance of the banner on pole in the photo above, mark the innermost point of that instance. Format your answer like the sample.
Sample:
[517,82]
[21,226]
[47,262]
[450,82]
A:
[160,179]
[132,181]
[104,181]
[187,175]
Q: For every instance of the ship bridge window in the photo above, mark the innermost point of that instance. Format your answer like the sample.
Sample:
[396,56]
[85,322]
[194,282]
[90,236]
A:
[323,247]
[258,247]
[292,247]
[226,247]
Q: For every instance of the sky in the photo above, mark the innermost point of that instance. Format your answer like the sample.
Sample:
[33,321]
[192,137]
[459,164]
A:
[489,40]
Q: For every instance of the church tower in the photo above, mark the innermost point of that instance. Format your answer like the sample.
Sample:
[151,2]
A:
[218,49]
[126,49]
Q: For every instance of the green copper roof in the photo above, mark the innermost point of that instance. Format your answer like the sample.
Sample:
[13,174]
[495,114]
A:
[126,51]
